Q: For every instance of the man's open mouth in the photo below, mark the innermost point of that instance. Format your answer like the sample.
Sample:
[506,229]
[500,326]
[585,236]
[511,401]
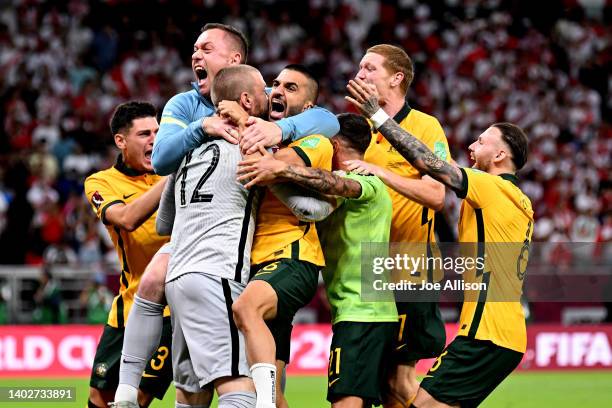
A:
[277,108]
[201,73]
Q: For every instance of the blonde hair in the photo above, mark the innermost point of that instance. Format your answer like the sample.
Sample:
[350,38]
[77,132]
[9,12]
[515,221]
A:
[396,60]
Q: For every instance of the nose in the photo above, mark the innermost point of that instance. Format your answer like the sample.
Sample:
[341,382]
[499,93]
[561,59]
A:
[361,74]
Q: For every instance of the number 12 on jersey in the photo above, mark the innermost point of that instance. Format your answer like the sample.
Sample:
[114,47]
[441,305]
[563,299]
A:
[198,196]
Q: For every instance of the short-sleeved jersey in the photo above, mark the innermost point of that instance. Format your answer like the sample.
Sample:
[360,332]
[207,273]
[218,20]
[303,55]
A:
[495,211]
[215,215]
[412,222]
[364,219]
[121,184]
[279,234]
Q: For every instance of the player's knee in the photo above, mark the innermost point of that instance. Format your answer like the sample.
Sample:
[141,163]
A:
[243,313]
[151,286]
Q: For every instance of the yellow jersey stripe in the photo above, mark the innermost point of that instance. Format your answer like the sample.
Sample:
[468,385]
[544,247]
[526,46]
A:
[174,121]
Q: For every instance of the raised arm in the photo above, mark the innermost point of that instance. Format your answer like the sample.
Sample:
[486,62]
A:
[365,98]
[179,133]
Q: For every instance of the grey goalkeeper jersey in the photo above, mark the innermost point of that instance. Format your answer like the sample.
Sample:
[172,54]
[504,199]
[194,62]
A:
[215,215]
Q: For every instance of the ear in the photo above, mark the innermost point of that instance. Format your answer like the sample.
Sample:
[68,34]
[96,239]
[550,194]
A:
[120,141]
[245,101]
[235,58]
[397,79]
[500,156]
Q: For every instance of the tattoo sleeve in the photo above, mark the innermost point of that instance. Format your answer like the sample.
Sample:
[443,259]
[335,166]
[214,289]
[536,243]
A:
[322,181]
[419,155]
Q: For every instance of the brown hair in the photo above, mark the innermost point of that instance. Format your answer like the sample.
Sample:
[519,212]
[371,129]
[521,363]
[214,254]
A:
[238,38]
[517,140]
[231,81]
[396,60]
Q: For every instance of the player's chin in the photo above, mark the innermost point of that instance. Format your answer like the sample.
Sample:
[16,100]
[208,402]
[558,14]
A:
[147,164]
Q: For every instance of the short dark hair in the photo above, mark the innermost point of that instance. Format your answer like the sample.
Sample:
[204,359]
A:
[125,113]
[356,130]
[517,140]
[239,39]
[314,82]
[231,81]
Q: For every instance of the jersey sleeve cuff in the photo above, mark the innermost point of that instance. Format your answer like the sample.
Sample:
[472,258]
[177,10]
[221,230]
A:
[463,190]
[103,212]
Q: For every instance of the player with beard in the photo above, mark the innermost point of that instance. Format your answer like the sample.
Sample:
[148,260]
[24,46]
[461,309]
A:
[492,337]
[212,232]
[187,121]
[287,255]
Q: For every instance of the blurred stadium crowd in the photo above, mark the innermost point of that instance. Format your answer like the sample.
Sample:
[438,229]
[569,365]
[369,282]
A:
[64,65]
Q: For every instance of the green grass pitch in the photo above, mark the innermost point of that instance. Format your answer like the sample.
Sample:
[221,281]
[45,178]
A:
[522,390]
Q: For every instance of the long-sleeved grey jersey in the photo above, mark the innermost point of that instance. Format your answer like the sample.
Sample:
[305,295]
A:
[215,215]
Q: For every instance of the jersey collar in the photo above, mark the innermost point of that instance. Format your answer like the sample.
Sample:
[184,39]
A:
[399,116]
[128,171]
[204,99]
[510,177]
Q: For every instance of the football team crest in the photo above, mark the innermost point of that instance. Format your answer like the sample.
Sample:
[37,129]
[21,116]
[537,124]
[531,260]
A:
[97,199]
[101,370]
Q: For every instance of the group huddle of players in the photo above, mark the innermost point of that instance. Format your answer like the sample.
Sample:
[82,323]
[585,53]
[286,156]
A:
[264,190]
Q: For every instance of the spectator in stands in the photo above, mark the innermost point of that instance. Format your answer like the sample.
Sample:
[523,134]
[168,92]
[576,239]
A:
[49,307]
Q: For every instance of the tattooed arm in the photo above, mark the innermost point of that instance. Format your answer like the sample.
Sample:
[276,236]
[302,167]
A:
[322,181]
[365,98]
[267,170]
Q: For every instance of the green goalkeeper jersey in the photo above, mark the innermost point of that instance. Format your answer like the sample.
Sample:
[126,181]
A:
[366,218]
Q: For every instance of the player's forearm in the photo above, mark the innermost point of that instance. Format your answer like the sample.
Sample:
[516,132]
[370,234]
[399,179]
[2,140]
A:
[419,155]
[314,121]
[321,181]
[131,216]
[426,192]
[172,144]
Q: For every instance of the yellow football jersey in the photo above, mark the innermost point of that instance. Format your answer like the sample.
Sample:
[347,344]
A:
[497,216]
[279,234]
[120,184]
[411,222]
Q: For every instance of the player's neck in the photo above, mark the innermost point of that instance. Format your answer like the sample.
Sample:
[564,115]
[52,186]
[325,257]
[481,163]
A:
[497,170]
[393,105]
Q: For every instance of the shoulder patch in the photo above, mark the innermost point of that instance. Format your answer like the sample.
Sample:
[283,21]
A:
[311,143]
[97,200]
[440,150]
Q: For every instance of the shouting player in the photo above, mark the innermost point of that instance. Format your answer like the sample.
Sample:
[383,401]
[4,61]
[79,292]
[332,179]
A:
[492,335]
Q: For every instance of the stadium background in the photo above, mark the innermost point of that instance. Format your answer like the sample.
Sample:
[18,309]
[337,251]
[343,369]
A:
[64,65]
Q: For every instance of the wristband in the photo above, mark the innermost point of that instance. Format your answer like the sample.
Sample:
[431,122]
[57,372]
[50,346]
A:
[379,118]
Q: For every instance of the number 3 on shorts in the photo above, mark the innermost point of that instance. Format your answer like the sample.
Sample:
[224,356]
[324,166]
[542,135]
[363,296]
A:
[157,362]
